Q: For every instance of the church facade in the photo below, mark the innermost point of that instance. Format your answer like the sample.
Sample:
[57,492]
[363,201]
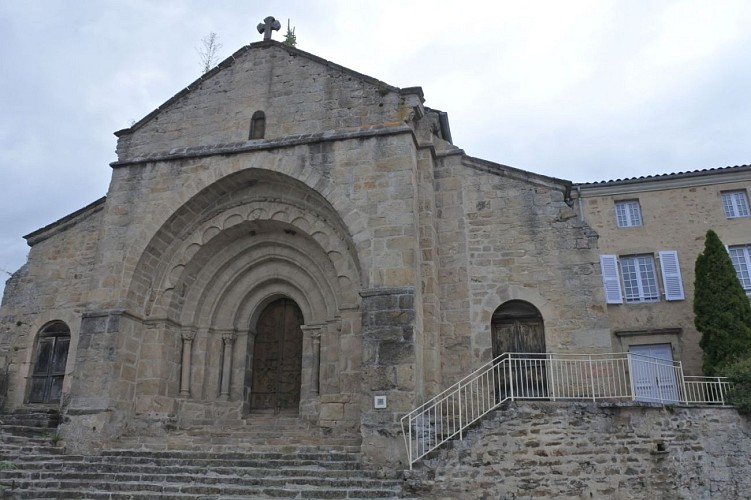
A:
[287,236]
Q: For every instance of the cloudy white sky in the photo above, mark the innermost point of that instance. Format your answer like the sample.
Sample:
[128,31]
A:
[581,90]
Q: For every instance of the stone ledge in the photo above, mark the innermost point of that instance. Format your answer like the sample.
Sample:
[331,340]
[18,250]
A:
[400,290]
[260,145]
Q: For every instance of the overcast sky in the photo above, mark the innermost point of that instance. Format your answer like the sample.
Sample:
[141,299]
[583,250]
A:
[580,90]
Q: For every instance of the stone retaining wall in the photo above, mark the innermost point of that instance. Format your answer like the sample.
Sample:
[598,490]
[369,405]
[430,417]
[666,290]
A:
[585,450]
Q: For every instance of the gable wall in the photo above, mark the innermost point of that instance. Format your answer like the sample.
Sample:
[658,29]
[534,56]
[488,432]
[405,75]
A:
[299,95]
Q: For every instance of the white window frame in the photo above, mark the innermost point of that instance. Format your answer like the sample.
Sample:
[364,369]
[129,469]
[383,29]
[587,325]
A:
[639,277]
[628,213]
[642,278]
[735,204]
[740,255]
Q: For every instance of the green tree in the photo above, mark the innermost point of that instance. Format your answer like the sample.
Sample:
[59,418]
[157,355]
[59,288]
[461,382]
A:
[722,312]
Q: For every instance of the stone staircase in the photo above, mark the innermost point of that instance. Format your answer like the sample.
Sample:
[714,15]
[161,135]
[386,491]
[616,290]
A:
[272,458]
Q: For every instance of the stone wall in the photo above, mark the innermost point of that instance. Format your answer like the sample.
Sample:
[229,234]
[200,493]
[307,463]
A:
[52,286]
[388,367]
[587,450]
[507,234]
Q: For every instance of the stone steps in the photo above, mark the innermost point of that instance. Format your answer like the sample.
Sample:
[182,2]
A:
[241,462]
[113,481]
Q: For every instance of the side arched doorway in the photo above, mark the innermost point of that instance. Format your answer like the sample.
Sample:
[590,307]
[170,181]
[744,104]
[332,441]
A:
[517,327]
[276,372]
[50,358]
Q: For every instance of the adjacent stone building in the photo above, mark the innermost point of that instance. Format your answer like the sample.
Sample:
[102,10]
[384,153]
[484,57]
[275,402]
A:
[651,230]
[288,236]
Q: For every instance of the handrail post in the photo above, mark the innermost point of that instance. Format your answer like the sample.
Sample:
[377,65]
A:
[722,396]
[683,383]
[551,371]
[592,378]
[510,378]
[461,426]
[409,447]
[631,376]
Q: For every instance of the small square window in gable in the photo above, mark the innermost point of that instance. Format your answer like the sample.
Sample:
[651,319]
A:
[735,204]
[628,213]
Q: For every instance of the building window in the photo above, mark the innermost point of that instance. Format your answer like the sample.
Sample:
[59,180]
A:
[628,213]
[634,278]
[639,278]
[741,257]
[735,204]
[257,125]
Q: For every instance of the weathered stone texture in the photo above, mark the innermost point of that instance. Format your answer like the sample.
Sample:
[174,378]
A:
[52,286]
[388,366]
[584,450]
[506,234]
[299,94]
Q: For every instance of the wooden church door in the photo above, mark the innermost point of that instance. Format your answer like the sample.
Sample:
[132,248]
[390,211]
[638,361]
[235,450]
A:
[517,327]
[277,358]
[49,364]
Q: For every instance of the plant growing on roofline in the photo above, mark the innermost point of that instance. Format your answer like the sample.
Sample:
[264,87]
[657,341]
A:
[210,46]
[290,38]
[722,312]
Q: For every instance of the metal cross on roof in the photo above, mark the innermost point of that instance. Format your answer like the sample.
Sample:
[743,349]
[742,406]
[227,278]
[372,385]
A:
[267,25]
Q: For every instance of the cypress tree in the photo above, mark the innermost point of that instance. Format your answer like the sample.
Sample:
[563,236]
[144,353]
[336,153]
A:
[722,312]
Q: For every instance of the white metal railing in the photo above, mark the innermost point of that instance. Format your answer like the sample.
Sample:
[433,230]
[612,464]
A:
[706,390]
[548,376]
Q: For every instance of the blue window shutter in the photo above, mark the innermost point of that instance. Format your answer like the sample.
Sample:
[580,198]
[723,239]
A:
[671,275]
[610,279]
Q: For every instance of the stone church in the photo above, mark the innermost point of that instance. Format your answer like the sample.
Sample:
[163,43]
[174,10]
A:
[286,236]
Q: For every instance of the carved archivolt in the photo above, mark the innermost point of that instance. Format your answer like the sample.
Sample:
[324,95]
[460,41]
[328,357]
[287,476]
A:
[243,248]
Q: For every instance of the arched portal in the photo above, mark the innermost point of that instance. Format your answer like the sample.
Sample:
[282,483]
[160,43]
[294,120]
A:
[517,327]
[254,253]
[50,357]
[277,358]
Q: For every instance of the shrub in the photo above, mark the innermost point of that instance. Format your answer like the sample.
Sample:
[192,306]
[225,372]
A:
[739,375]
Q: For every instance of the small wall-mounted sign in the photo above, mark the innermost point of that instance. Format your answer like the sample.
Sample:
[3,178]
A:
[379,402]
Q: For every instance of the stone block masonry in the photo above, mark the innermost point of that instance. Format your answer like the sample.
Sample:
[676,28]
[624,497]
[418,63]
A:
[587,450]
[388,364]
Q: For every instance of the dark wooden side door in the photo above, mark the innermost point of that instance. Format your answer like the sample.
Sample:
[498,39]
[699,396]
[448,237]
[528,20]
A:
[49,369]
[277,358]
[517,327]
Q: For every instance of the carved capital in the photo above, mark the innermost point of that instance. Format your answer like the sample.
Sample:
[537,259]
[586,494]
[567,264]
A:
[188,333]
[229,337]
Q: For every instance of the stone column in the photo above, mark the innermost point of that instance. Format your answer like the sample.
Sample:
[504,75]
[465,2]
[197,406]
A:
[188,334]
[248,382]
[314,332]
[228,339]
[316,374]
